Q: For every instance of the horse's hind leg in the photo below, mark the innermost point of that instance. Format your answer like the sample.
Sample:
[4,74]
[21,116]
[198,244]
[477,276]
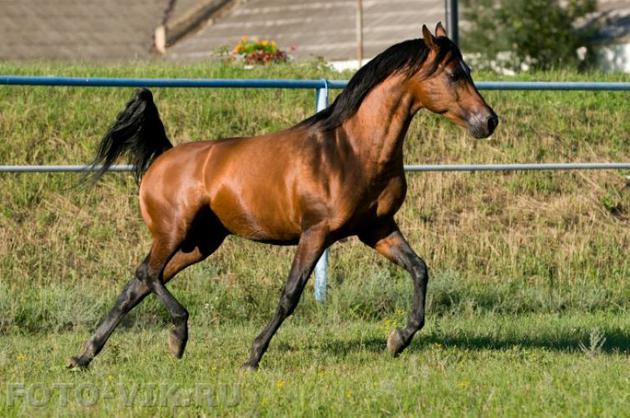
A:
[155,274]
[150,273]
[205,236]
[134,292]
[389,241]
[137,289]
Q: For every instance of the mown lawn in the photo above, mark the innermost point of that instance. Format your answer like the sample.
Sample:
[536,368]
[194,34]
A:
[528,298]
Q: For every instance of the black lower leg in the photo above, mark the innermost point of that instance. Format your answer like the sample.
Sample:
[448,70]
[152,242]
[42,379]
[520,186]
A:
[399,339]
[308,252]
[261,342]
[133,293]
[179,315]
[388,241]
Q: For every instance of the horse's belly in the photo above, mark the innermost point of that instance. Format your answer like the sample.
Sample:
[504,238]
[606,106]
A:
[258,218]
[258,228]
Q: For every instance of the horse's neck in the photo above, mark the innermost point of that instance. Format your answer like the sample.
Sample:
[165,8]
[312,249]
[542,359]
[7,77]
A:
[377,131]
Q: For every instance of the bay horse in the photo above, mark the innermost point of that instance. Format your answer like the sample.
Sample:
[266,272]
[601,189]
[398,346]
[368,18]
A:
[336,174]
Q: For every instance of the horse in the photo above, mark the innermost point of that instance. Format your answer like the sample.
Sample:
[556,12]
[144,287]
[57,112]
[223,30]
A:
[342,175]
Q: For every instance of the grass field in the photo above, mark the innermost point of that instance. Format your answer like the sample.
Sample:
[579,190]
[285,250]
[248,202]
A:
[461,365]
[528,299]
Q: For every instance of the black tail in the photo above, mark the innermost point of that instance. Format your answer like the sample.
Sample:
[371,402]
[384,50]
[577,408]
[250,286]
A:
[137,133]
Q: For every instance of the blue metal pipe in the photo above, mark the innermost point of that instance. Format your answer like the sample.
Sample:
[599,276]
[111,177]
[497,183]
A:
[285,84]
[517,167]
[409,167]
[167,82]
[59,168]
[553,85]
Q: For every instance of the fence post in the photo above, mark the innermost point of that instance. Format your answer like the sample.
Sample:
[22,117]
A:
[321,268]
[452,20]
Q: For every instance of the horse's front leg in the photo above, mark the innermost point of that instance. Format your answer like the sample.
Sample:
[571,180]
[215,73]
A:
[310,247]
[389,241]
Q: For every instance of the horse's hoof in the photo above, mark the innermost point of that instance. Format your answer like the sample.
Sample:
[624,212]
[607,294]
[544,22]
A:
[395,343]
[249,368]
[176,346]
[78,363]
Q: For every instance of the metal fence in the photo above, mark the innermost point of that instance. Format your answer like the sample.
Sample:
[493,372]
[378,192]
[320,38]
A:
[16,80]
[321,88]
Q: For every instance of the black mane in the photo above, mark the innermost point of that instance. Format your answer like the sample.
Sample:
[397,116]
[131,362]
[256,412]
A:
[407,57]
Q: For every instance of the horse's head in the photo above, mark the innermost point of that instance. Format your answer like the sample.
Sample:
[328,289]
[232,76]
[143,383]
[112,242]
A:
[444,85]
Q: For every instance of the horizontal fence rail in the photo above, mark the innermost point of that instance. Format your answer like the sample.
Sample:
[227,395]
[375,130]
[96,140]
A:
[553,85]
[14,80]
[171,82]
[517,167]
[59,168]
[412,168]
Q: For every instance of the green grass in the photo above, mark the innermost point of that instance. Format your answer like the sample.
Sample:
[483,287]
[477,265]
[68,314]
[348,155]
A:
[460,365]
[525,267]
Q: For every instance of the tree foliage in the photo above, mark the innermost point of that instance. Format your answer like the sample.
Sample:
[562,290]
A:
[539,34]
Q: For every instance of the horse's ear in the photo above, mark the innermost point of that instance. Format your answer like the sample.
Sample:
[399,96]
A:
[429,39]
[439,30]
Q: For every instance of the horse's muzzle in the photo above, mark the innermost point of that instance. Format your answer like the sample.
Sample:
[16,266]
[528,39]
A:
[483,124]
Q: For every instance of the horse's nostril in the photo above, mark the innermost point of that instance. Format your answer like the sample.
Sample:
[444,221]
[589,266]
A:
[493,121]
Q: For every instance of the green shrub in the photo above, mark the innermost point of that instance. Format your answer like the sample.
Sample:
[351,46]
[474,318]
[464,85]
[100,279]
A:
[537,34]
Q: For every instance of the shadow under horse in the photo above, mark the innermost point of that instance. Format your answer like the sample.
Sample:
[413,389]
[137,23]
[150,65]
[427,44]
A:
[336,174]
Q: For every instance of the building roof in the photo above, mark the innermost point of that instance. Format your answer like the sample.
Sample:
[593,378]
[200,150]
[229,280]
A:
[78,29]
